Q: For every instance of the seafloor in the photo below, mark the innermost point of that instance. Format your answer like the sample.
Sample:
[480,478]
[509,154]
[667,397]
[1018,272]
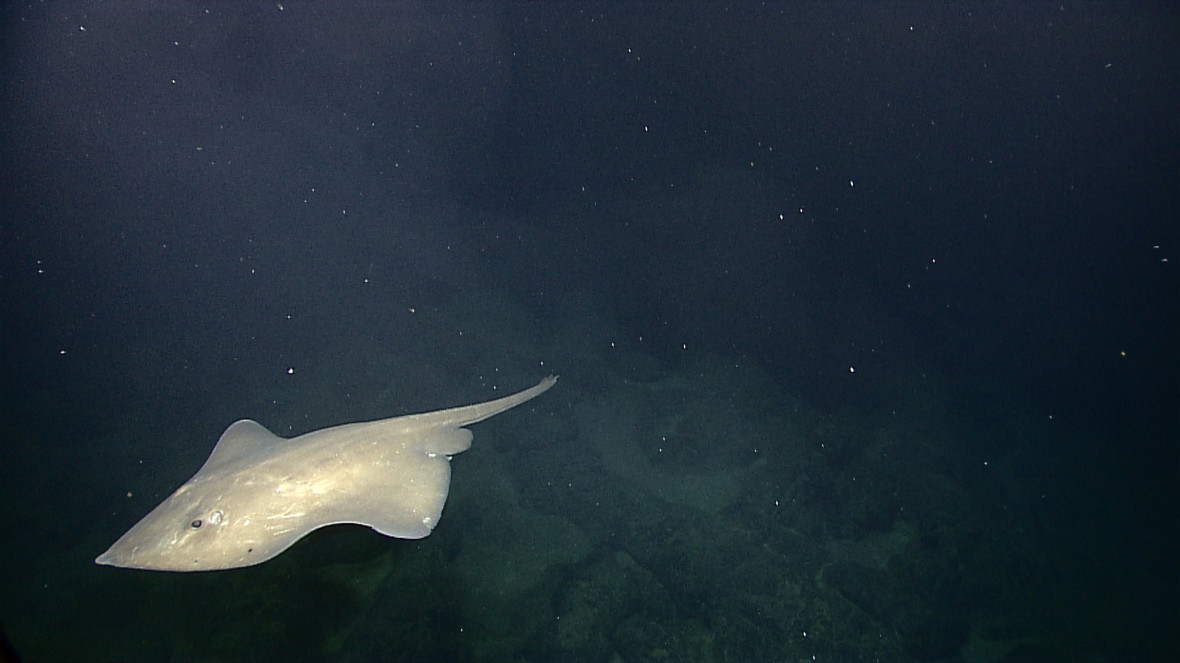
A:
[646,509]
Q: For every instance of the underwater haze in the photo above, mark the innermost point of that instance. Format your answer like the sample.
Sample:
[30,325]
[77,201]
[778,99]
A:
[866,317]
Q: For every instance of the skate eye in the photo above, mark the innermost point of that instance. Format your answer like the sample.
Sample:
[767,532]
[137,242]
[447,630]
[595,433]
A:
[196,524]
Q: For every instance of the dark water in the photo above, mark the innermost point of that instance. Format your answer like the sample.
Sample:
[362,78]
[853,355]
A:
[866,321]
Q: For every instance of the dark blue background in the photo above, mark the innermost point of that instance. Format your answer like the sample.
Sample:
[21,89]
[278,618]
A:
[966,215]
